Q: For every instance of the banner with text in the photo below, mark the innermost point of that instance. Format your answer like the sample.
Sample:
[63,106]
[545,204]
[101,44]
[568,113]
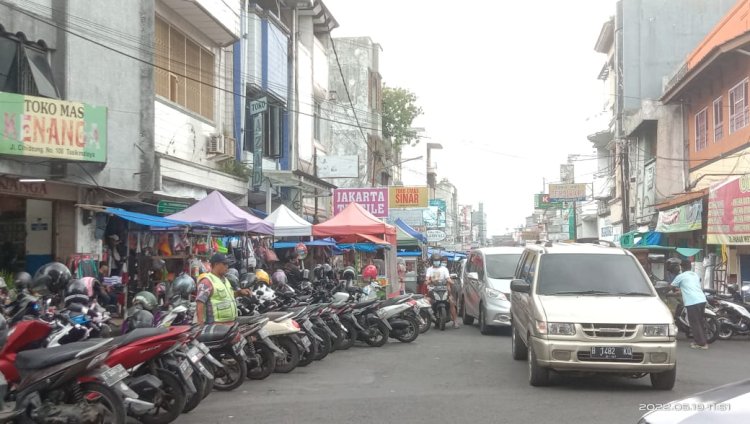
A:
[408,197]
[729,212]
[682,218]
[49,128]
[373,200]
[567,192]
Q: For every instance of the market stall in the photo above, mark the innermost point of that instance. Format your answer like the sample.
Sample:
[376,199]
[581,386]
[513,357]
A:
[216,210]
[410,254]
[355,225]
[288,224]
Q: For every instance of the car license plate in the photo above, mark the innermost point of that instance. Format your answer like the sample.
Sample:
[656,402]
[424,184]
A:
[308,325]
[114,375]
[610,352]
[263,333]
[185,369]
[305,341]
[195,354]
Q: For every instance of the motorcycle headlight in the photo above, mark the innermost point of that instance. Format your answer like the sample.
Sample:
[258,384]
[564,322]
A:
[556,328]
[380,312]
[656,330]
[495,294]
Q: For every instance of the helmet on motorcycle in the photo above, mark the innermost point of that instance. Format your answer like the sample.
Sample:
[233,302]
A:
[265,293]
[233,280]
[279,277]
[234,272]
[318,272]
[328,270]
[146,299]
[92,285]
[349,274]
[182,287]
[248,281]
[370,271]
[22,281]
[340,297]
[50,278]
[77,291]
[262,276]
[141,319]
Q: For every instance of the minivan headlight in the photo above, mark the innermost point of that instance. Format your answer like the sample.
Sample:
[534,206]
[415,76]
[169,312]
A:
[495,294]
[556,328]
[656,330]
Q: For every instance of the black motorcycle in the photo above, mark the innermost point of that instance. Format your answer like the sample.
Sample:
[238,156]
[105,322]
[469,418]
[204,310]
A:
[440,303]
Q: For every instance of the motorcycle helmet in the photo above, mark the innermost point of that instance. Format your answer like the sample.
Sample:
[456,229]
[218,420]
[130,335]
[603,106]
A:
[349,274]
[262,277]
[340,297]
[265,293]
[279,277]
[318,272]
[328,271]
[77,291]
[141,319]
[673,266]
[50,278]
[182,287]
[92,285]
[22,281]
[146,299]
[233,280]
[370,272]
[233,271]
[435,259]
[248,282]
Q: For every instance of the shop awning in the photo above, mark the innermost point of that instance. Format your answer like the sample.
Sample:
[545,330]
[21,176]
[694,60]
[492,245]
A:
[684,251]
[147,220]
[362,247]
[288,244]
[680,199]
[410,231]
[409,254]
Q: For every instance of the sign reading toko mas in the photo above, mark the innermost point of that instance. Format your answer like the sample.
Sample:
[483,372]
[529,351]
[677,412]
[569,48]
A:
[49,128]
[373,200]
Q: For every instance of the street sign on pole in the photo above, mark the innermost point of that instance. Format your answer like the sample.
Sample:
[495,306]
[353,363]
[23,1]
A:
[164,207]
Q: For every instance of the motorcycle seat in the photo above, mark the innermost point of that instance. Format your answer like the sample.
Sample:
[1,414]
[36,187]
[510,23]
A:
[363,305]
[214,333]
[137,334]
[417,296]
[276,316]
[42,358]
[250,319]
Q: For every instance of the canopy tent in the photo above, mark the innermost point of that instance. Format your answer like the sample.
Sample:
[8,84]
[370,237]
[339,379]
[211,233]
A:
[216,210]
[327,242]
[362,247]
[353,219]
[139,218]
[288,224]
[409,231]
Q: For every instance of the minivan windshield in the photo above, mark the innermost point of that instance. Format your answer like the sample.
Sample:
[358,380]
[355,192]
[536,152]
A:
[587,274]
[502,265]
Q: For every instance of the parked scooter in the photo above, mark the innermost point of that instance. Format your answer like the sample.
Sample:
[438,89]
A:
[228,346]
[733,315]
[402,314]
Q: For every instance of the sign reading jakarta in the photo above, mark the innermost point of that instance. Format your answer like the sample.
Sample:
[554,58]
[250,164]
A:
[49,128]
[373,200]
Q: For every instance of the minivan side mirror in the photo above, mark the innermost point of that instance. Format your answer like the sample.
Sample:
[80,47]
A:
[520,286]
[472,275]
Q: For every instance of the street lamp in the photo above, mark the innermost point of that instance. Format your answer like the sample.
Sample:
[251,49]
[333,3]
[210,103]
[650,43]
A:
[431,174]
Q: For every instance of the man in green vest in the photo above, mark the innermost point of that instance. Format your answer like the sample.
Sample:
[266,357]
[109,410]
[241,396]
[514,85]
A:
[215,300]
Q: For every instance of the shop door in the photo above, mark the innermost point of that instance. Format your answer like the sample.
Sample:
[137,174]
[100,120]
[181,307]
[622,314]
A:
[38,234]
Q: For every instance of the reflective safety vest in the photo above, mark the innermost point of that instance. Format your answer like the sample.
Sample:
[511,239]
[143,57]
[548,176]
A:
[222,299]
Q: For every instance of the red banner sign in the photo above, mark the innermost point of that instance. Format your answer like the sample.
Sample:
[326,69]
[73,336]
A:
[729,212]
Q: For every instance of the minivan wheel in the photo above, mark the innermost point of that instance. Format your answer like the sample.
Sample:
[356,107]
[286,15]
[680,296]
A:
[664,380]
[468,319]
[518,348]
[538,376]
[483,327]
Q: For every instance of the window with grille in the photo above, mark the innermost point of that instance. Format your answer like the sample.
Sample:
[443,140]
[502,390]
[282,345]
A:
[718,120]
[700,130]
[184,70]
[25,69]
[738,112]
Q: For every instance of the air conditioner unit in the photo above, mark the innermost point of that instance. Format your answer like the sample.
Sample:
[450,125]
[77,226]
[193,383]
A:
[216,144]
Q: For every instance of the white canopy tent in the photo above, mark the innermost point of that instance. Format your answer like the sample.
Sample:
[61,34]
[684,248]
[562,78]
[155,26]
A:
[288,224]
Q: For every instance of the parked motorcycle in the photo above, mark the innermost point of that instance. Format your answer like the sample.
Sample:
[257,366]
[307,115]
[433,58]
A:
[401,315]
[227,345]
[710,321]
[733,314]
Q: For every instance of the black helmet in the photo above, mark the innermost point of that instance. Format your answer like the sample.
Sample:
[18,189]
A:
[233,279]
[140,319]
[182,287]
[248,282]
[51,278]
[349,273]
[146,299]
[328,270]
[76,292]
[318,271]
[22,281]
[436,257]
[673,265]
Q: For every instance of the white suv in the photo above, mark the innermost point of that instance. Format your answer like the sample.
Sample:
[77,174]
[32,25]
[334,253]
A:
[589,308]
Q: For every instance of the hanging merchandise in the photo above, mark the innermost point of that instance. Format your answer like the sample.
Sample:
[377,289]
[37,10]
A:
[164,248]
[301,250]
[250,260]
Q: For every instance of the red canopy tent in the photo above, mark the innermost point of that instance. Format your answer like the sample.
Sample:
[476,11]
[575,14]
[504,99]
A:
[354,224]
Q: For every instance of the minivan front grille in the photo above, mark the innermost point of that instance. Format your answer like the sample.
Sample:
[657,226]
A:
[611,331]
[586,356]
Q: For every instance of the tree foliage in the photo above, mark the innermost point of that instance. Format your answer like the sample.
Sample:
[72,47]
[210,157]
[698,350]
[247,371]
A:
[399,111]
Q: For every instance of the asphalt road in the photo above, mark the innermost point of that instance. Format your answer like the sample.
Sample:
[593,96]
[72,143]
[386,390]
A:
[457,376]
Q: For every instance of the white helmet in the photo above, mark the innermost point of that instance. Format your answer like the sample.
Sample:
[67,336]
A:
[265,293]
[340,297]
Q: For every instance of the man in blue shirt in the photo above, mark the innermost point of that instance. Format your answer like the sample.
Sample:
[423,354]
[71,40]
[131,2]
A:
[694,300]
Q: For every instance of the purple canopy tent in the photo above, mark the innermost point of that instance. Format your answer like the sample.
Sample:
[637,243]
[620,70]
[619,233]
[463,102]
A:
[217,211]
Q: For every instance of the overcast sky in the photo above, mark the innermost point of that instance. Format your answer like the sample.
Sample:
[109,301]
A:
[508,88]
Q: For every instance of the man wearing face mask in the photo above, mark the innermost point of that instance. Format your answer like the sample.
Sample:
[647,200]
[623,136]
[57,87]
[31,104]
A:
[436,273]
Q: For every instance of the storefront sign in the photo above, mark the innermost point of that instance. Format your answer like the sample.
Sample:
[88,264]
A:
[168,208]
[435,214]
[680,219]
[434,236]
[411,217]
[373,200]
[567,192]
[541,201]
[48,128]
[729,212]
[407,197]
[40,190]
